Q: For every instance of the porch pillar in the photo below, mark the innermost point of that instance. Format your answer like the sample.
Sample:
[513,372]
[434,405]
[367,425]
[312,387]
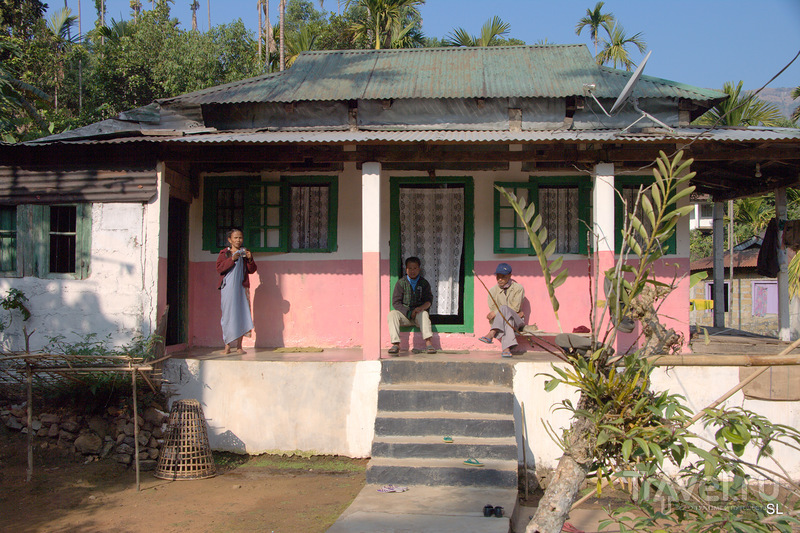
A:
[371,259]
[719,265]
[603,200]
[784,332]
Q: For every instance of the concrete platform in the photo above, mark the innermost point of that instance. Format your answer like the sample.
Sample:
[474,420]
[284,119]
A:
[423,509]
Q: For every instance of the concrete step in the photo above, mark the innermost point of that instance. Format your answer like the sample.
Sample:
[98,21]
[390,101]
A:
[462,372]
[463,424]
[445,397]
[434,447]
[449,471]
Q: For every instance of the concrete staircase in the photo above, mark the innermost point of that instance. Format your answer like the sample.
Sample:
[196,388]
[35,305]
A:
[420,402]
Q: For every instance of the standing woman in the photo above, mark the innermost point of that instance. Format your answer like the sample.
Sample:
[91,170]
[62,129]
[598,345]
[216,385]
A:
[234,265]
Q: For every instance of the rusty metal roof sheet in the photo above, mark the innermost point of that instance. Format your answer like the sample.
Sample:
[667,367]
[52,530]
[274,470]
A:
[742,259]
[546,71]
[688,134]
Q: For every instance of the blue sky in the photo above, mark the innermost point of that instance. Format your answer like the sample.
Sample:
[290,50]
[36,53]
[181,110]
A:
[698,42]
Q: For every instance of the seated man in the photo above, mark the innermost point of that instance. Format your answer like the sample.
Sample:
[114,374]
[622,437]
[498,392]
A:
[505,313]
[411,299]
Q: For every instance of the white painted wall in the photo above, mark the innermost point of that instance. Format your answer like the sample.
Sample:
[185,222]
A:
[330,408]
[261,406]
[699,385]
[117,299]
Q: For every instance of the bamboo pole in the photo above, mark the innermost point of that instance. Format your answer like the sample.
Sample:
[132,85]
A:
[30,423]
[726,360]
[524,453]
[135,430]
[136,368]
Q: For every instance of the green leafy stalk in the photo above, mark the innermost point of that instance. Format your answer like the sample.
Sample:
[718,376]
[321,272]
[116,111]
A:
[537,234]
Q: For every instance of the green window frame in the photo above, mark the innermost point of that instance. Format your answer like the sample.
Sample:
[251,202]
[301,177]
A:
[265,211]
[510,236]
[621,183]
[46,241]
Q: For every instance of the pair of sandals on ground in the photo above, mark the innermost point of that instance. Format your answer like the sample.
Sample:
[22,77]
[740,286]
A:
[395,349]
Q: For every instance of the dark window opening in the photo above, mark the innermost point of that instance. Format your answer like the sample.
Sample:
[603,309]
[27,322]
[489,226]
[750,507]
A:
[63,238]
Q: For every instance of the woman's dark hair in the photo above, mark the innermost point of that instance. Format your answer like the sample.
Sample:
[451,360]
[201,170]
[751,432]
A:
[231,231]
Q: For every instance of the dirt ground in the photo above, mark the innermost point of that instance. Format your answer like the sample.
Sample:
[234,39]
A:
[260,493]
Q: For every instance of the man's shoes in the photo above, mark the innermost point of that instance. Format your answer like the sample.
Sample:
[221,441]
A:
[486,338]
[431,349]
[394,350]
[506,353]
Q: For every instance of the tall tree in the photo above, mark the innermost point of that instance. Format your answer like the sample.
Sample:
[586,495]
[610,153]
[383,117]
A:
[16,97]
[491,31]
[740,109]
[594,20]
[59,25]
[136,7]
[194,6]
[795,96]
[387,22]
[281,23]
[615,49]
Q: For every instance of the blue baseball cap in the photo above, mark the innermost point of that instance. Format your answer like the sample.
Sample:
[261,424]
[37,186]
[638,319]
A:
[503,268]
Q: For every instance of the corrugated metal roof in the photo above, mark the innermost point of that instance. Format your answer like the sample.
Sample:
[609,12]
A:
[742,259]
[354,137]
[547,71]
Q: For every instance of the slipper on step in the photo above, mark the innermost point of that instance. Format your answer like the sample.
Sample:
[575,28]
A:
[473,462]
[431,349]
[448,440]
[394,350]
[506,353]
[487,339]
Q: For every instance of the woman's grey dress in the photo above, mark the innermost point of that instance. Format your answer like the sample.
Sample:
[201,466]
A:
[236,319]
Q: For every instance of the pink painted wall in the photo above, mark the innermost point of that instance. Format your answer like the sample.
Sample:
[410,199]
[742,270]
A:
[319,303]
[295,303]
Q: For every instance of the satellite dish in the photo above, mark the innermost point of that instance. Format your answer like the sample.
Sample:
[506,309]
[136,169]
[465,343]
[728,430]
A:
[626,92]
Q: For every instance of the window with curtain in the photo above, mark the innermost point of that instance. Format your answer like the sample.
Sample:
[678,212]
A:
[295,214]
[563,203]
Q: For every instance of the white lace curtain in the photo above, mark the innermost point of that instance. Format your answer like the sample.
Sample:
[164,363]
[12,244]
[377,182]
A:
[559,208]
[309,217]
[432,228]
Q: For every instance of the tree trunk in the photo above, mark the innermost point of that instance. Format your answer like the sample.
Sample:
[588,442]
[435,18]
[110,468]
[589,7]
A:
[282,59]
[260,29]
[568,478]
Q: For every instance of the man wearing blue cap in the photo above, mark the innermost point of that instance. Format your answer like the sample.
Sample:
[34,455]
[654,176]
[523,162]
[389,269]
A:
[505,310]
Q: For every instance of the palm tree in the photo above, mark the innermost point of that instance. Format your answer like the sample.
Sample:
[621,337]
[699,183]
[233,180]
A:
[136,7]
[491,30]
[595,20]
[740,109]
[282,46]
[297,42]
[615,48]
[16,95]
[194,6]
[795,96]
[59,25]
[385,21]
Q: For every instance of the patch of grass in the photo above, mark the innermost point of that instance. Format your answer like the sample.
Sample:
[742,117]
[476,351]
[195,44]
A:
[228,460]
[317,463]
